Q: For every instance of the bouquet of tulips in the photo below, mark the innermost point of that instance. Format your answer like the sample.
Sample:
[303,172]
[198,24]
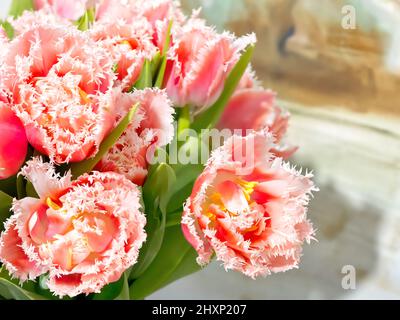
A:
[137,146]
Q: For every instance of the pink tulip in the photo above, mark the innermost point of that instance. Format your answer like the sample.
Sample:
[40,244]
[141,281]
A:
[59,81]
[71,9]
[32,19]
[84,233]
[249,80]
[153,16]
[129,46]
[253,220]
[13,143]
[256,109]
[152,128]
[202,60]
[159,13]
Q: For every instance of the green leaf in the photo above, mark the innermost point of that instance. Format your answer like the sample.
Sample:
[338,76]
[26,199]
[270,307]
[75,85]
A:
[124,294]
[86,166]
[9,186]
[30,190]
[17,7]
[155,65]
[5,207]
[210,117]
[184,119]
[9,289]
[146,78]
[186,267]
[118,290]
[8,28]
[84,23]
[156,193]
[174,260]
[161,72]
[173,219]
[178,198]
[21,188]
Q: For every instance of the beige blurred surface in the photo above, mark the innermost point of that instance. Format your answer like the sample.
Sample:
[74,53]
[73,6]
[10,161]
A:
[342,88]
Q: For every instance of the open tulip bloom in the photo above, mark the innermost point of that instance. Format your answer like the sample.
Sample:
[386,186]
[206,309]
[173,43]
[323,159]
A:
[136,147]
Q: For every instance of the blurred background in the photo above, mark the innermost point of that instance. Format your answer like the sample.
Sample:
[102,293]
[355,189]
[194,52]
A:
[335,65]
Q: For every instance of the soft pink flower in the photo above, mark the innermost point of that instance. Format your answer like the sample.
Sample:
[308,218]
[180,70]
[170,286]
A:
[130,10]
[32,19]
[58,81]
[201,60]
[129,45]
[160,13]
[114,10]
[13,142]
[249,80]
[3,35]
[152,15]
[254,220]
[84,233]
[151,128]
[256,109]
[160,10]
[68,9]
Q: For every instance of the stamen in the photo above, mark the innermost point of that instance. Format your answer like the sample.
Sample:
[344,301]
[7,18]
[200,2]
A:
[84,97]
[51,204]
[247,187]
[211,216]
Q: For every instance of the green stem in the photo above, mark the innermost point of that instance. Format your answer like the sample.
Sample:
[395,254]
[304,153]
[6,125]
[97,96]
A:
[184,119]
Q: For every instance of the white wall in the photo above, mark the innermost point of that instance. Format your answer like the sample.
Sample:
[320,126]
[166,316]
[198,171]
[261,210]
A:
[4,4]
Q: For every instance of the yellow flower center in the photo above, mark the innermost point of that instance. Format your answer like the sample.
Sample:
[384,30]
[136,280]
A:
[216,199]
[125,42]
[51,204]
[247,188]
[84,96]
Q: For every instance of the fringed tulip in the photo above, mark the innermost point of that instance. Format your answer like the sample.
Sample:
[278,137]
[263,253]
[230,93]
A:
[201,60]
[256,109]
[84,233]
[13,142]
[151,128]
[254,220]
[129,45]
[59,85]
[160,13]
[154,16]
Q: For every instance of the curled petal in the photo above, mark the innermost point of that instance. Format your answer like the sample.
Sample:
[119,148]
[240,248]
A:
[46,181]
[13,256]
